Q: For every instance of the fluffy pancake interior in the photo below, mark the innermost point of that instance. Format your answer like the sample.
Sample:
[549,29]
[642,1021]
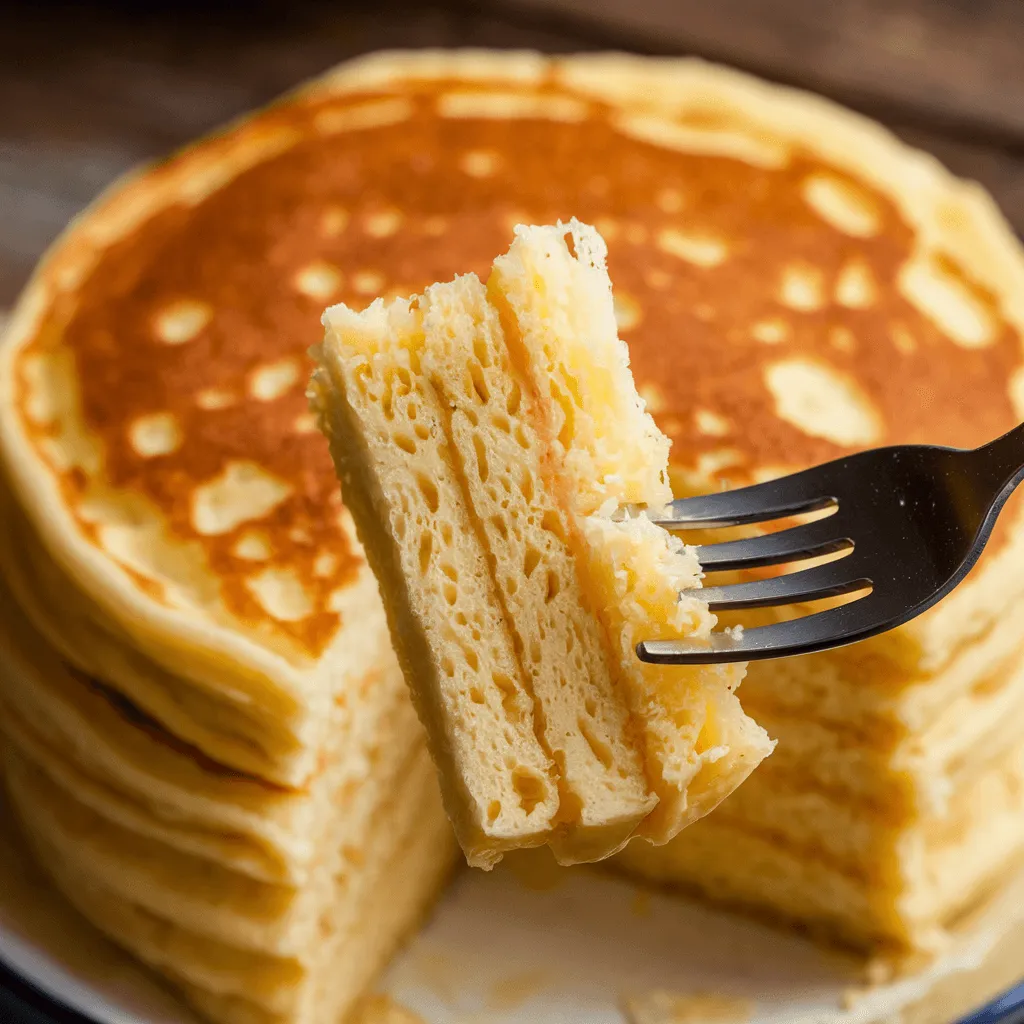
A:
[537,421]
[385,425]
[555,297]
[526,535]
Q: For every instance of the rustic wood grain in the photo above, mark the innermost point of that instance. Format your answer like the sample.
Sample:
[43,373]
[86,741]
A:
[86,93]
[956,61]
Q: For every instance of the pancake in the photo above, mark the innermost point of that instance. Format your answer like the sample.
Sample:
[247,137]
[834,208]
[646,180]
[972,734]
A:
[485,438]
[792,283]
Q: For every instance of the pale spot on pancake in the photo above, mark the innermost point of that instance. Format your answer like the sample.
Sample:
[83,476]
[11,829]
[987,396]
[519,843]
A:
[904,341]
[304,423]
[822,402]
[710,463]
[842,339]
[336,600]
[156,434]
[761,151]
[272,380]
[704,311]
[346,523]
[672,425]
[711,423]
[56,454]
[657,279]
[364,115]
[653,397]
[46,386]
[325,564]
[628,312]
[855,286]
[504,106]
[243,491]
[948,302]
[334,221]
[253,546]
[514,219]
[700,249]
[843,205]
[480,163]
[770,332]
[670,200]
[209,175]
[1017,391]
[608,227]
[435,226]
[281,593]
[636,234]
[299,535]
[382,224]
[215,398]
[318,280]
[181,321]
[801,288]
[69,278]
[762,474]
[367,282]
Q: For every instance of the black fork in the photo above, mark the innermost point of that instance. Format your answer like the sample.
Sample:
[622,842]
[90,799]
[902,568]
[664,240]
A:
[908,522]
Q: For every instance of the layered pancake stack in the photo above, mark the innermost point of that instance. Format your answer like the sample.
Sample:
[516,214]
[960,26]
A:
[209,741]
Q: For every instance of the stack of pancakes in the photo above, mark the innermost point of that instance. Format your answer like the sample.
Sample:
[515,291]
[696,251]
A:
[207,737]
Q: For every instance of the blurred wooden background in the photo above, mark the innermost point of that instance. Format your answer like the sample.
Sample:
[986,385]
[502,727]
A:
[89,89]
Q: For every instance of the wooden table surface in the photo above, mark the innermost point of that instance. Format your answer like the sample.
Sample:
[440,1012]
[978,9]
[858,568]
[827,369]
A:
[88,91]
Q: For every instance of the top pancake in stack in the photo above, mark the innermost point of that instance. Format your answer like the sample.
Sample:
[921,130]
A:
[205,726]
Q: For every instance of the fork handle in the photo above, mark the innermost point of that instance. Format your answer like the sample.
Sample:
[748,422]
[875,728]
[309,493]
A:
[1002,463]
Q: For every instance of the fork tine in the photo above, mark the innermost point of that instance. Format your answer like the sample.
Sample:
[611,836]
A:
[832,580]
[808,540]
[834,627]
[757,504]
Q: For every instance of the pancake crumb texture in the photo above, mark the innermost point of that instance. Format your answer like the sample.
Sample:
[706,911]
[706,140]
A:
[497,429]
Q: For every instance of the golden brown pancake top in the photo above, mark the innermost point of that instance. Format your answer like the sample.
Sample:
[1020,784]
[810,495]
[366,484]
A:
[734,288]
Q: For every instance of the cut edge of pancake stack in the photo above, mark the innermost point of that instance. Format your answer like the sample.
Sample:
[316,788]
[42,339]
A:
[484,437]
[158,709]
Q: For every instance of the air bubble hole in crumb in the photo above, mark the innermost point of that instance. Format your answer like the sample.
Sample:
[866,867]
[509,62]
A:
[530,788]
[481,458]
[509,696]
[426,549]
[530,561]
[479,385]
[599,749]
[429,491]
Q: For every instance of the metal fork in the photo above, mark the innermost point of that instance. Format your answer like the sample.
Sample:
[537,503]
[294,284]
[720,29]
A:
[909,521]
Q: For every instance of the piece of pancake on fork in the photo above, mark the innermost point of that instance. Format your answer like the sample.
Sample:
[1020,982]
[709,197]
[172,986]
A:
[485,437]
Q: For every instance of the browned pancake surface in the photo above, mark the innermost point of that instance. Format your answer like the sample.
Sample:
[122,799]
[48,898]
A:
[243,275]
